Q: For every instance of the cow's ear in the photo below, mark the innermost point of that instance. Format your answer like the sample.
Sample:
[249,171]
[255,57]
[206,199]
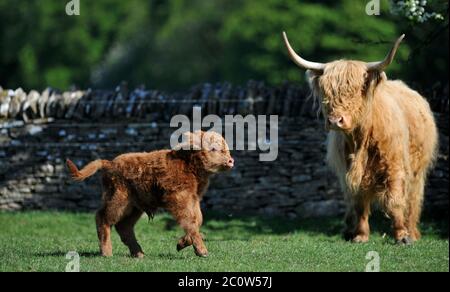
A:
[373,78]
[312,77]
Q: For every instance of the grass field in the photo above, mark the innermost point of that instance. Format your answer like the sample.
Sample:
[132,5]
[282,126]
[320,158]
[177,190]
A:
[39,241]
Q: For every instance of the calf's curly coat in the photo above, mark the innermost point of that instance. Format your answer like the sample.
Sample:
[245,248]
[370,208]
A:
[382,143]
[175,180]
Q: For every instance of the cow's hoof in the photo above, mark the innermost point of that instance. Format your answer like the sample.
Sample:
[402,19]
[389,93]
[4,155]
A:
[348,235]
[138,255]
[404,241]
[360,239]
[415,235]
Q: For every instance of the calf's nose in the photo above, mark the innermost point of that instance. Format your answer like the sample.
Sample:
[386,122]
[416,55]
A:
[230,162]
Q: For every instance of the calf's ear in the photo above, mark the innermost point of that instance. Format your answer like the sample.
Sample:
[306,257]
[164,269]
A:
[196,139]
[191,141]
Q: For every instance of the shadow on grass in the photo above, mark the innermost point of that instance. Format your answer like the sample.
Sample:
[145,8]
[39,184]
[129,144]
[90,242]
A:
[222,227]
[171,256]
[94,254]
[87,254]
[437,227]
[251,225]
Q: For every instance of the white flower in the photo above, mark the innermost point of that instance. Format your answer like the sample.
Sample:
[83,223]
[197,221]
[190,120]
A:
[414,10]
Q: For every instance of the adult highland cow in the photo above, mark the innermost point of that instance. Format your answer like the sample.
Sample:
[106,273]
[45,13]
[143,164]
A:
[382,143]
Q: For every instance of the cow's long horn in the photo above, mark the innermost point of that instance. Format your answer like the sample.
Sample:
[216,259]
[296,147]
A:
[299,60]
[381,65]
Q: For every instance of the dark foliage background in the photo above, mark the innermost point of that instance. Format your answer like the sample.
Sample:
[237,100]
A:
[174,44]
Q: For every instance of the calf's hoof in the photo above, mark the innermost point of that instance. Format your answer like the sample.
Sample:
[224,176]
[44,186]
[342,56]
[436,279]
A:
[180,246]
[360,239]
[404,241]
[184,242]
[202,254]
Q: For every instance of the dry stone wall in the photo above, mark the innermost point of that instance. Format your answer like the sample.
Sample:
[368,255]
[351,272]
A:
[38,131]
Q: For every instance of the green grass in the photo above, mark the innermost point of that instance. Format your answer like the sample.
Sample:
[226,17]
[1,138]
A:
[39,241]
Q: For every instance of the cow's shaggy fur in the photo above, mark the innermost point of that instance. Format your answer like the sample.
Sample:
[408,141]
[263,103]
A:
[142,182]
[385,150]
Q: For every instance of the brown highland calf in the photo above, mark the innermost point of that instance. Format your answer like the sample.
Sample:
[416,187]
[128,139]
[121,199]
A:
[382,143]
[142,182]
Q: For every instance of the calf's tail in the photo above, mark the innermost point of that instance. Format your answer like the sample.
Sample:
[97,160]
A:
[87,171]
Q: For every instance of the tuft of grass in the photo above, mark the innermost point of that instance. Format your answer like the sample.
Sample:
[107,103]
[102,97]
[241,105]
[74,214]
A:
[39,241]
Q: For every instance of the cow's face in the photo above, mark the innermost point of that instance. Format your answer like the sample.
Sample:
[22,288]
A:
[343,87]
[341,90]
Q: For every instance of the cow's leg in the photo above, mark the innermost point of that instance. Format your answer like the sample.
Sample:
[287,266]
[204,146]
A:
[188,215]
[401,233]
[395,205]
[349,221]
[125,228]
[415,201]
[350,217]
[362,212]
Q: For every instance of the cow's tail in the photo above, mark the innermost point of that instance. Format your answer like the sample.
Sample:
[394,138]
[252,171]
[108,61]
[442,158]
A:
[88,170]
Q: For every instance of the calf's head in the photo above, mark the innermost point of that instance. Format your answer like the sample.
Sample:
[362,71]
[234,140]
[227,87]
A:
[344,87]
[207,150]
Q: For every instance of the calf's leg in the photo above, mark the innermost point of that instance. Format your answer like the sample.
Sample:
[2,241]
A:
[189,217]
[115,207]
[103,233]
[125,228]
